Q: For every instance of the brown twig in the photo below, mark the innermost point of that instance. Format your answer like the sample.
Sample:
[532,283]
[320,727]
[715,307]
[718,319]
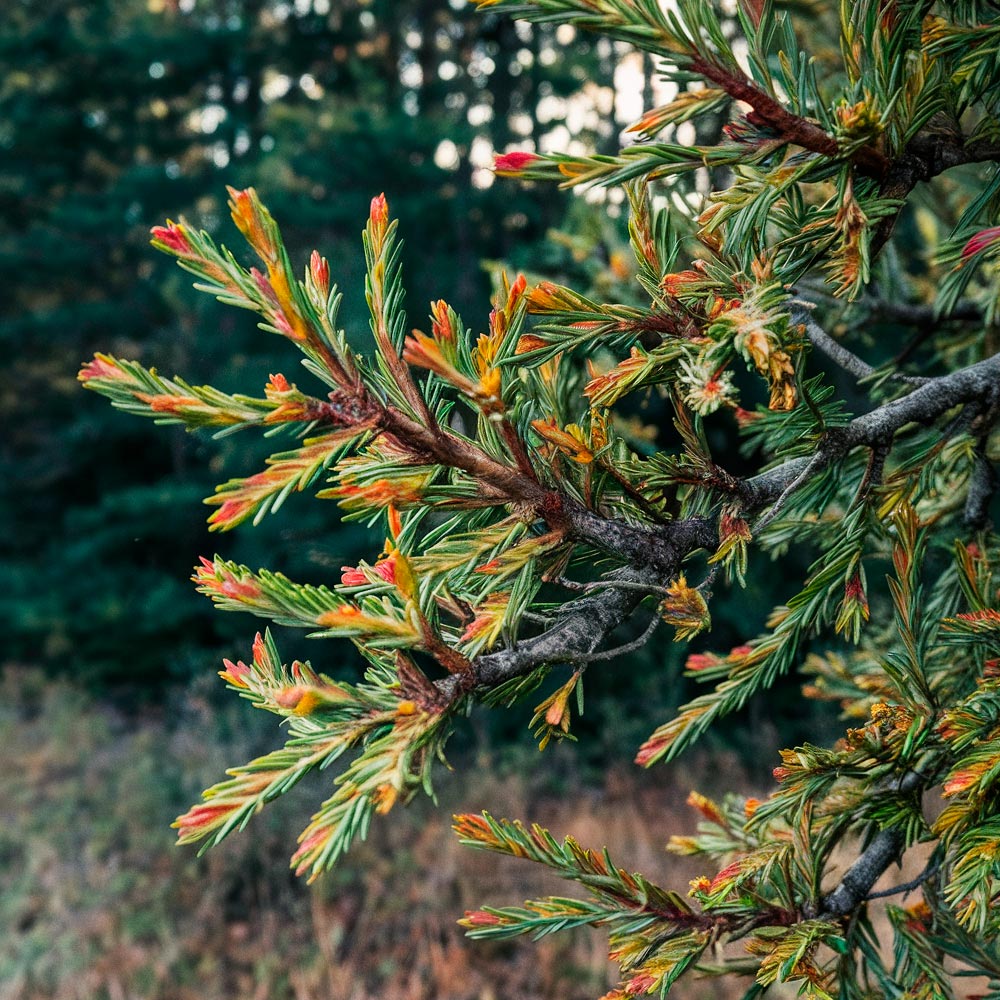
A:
[791,127]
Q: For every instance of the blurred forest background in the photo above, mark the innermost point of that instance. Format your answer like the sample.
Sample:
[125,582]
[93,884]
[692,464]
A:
[115,114]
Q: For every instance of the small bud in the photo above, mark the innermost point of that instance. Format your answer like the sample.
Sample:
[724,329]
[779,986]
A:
[320,271]
[981,241]
[699,884]
[379,212]
[512,164]
[173,237]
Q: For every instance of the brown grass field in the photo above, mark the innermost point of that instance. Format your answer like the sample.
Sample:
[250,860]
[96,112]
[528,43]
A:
[97,904]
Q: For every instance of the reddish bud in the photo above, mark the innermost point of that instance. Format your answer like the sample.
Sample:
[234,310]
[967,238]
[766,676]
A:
[529,342]
[642,983]
[706,807]
[379,212]
[172,237]
[308,845]
[102,366]
[249,216]
[513,163]
[441,328]
[320,270]
[259,649]
[235,673]
[960,782]
[978,243]
[983,615]
[700,661]
[240,589]
[198,818]
[395,521]
[351,577]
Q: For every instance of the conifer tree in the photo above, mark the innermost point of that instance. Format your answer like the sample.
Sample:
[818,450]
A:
[822,297]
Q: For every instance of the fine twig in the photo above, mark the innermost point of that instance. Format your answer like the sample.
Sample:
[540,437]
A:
[837,353]
[628,647]
[589,588]
[904,887]
[817,461]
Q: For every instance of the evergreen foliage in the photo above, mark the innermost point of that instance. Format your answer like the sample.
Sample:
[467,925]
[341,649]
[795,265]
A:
[526,518]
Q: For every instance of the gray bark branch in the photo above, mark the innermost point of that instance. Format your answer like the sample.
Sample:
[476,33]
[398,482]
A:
[885,848]
[654,554]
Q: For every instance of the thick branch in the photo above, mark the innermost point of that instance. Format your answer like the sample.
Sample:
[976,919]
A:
[581,629]
[977,383]
[932,152]
[660,549]
[582,626]
[863,874]
[883,851]
[982,488]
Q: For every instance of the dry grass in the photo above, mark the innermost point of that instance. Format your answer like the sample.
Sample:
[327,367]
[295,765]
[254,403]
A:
[97,902]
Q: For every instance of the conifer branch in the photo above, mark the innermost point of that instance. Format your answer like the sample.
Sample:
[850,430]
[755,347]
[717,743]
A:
[481,514]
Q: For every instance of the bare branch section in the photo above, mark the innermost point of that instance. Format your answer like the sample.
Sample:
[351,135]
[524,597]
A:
[857,883]
[884,850]
[837,353]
